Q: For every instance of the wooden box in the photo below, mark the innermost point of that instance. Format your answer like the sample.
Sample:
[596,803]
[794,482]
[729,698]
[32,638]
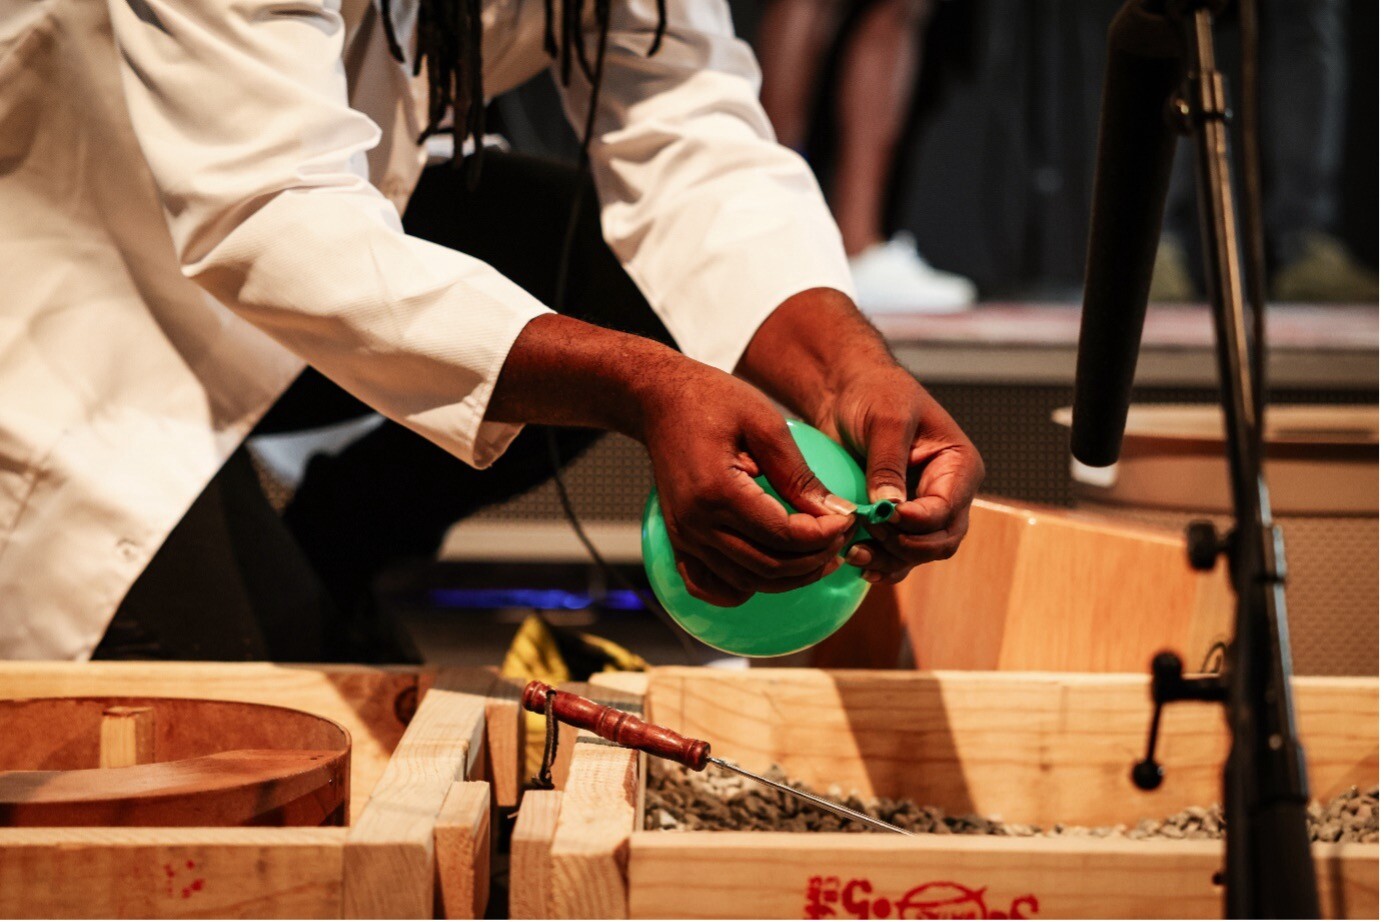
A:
[432,754]
[1028,747]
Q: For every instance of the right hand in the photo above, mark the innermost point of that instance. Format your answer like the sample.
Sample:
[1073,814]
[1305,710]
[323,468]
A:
[709,435]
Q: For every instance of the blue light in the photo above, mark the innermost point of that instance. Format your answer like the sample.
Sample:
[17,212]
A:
[542,599]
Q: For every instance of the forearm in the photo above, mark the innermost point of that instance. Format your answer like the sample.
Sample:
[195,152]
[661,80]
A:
[565,372]
[808,349]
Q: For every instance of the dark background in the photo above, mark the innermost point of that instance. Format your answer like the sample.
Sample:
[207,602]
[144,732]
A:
[1004,133]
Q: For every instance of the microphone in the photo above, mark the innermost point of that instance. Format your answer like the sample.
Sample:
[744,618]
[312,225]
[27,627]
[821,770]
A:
[1134,158]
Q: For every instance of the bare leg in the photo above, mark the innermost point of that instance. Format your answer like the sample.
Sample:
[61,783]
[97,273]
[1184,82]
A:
[793,35]
[877,77]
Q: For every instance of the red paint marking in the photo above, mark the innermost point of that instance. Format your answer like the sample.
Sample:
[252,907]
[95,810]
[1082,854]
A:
[191,864]
[168,869]
[197,884]
[941,899]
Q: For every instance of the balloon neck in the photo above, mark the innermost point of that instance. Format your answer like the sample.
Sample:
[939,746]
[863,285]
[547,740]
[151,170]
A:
[876,513]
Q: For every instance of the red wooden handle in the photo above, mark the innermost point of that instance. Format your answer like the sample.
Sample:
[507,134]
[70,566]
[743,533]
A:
[618,726]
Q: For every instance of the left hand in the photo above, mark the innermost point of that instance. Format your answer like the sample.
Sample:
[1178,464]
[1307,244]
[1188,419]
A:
[820,357]
[916,455]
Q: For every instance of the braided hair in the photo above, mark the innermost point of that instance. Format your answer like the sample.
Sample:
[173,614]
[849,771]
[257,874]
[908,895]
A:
[448,40]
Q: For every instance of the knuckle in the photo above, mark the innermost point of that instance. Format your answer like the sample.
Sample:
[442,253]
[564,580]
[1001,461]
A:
[801,480]
[947,551]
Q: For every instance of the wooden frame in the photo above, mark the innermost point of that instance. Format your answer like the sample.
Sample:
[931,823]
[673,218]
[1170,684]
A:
[1030,747]
[434,752]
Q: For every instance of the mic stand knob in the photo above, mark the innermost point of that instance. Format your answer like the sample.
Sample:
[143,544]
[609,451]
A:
[1169,685]
[1204,545]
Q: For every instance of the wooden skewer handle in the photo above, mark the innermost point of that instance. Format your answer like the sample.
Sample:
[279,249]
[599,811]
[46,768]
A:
[618,726]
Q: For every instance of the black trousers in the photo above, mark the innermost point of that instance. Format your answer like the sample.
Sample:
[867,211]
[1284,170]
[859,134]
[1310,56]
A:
[1304,72]
[235,581]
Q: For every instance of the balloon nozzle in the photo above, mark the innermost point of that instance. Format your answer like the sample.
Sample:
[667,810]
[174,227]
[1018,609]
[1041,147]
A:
[877,513]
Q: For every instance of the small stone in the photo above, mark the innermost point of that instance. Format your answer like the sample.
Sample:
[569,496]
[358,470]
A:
[719,800]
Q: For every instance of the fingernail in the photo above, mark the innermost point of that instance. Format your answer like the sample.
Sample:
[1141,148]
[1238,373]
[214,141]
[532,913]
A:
[838,505]
[857,556]
[871,576]
[893,494]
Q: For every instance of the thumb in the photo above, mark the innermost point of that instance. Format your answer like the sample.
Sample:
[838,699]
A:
[886,459]
[784,466]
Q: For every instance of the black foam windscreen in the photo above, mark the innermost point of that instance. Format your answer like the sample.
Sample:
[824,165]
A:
[1133,162]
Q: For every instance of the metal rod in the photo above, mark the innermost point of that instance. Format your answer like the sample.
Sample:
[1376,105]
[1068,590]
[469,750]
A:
[827,805]
[1269,870]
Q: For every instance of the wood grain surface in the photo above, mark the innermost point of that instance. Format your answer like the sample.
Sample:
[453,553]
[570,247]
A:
[103,873]
[461,838]
[246,787]
[1035,588]
[1030,747]
[530,855]
[389,870]
[735,875]
[591,846]
[372,703]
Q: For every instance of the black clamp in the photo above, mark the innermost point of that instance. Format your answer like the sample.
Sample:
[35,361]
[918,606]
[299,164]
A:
[1169,685]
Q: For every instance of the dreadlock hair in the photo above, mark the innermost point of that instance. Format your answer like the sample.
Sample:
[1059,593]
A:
[448,39]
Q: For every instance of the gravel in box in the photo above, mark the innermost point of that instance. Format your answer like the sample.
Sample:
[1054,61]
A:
[678,800]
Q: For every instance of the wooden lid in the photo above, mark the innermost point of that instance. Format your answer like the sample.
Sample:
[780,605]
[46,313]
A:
[191,763]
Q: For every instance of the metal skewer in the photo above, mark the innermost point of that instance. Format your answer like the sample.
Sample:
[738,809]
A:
[830,806]
[614,727]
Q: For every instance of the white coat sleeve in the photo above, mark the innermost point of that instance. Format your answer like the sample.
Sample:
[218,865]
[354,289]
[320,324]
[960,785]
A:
[716,222]
[240,109]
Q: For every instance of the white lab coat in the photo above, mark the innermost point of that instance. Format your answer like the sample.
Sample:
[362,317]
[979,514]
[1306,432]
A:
[198,196]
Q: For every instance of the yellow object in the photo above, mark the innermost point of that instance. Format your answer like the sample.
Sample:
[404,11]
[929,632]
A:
[537,653]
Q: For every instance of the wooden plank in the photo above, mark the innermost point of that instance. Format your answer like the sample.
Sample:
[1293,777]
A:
[462,841]
[1040,588]
[865,876]
[389,870]
[632,684]
[505,741]
[500,760]
[530,855]
[161,873]
[1037,748]
[591,846]
[372,703]
[127,737]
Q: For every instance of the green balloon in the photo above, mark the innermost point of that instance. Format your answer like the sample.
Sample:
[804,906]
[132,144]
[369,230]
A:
[771,624]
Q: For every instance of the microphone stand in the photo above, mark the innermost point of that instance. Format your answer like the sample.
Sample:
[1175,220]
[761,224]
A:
[1269,872]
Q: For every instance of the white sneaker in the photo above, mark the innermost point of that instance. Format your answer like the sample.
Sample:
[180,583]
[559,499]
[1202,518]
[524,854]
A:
[892,278]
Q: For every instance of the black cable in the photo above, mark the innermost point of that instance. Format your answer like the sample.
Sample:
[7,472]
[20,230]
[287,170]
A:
[559,302]
[1214,661]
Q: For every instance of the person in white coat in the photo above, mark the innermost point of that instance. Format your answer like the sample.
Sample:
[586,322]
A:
[199,197]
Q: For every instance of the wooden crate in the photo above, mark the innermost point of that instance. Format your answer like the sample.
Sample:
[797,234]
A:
[1039,588]
[434,752]
[1029,747]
